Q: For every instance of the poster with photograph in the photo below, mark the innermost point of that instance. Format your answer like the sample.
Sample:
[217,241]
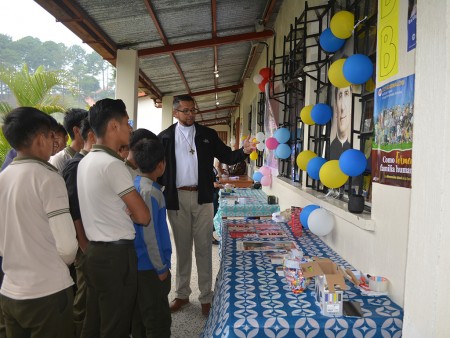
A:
[265,246]
[341,100]
[392,144]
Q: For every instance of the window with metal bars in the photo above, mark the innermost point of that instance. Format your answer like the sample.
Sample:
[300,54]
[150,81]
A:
[303,71]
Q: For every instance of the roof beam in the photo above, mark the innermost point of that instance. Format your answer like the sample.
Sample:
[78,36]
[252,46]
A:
[217,109]
[163,37]
[217,90]
[217,41]
[149,84]
[222,120]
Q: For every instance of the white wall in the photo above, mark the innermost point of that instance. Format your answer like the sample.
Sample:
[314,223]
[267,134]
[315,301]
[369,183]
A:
[381,251]
[149,117]
[428,267]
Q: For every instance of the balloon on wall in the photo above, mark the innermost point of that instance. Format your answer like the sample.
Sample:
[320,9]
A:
[257,176]
[305,114]
[253,155]
[352,162]
[304,214]
[321,113]
[314,165]
[331,175]
[329,42]
[304,157]
[342,24]
[271,143]
[320,222]
[282,135]
[336,74]
[265,170]
[260,146]
[358,68]
[260,136]
[266,180]
[283,151]
[257,78]
[262,85]
[266,72]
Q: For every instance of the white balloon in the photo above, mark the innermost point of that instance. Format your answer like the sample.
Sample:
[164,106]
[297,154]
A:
[257,79]
[320,222]
[260,136]
[261,146]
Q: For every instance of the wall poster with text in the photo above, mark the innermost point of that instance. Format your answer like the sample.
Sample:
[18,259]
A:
[393,131]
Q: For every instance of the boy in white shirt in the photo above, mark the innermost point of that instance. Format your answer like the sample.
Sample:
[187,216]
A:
[37,235]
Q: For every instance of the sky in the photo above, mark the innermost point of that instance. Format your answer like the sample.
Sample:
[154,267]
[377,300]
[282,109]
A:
[20,18]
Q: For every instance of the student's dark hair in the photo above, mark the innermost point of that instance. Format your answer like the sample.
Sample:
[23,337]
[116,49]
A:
[22,125]
[59,129]
[103,111]
[177,99]
[85,128]
[73,118]
[147,154]
[141,134]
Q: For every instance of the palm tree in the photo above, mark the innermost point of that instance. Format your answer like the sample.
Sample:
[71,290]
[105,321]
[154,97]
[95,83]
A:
[30,90]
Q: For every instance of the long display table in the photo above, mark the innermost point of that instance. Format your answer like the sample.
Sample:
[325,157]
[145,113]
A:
[252,300]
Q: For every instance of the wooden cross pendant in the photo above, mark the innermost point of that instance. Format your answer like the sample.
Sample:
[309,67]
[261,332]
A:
[192,151]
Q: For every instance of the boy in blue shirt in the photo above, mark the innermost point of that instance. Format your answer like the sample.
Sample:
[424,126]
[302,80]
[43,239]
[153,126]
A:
[152,316]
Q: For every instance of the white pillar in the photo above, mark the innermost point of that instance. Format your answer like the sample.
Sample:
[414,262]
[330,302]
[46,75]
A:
[127,76]
[428,258]
[167,112]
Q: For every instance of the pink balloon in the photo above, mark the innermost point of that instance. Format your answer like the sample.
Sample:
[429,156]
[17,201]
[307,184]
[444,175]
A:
[265,171]
[266,180]
[272,143]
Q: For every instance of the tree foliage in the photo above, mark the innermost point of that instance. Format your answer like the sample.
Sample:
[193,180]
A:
[49,76]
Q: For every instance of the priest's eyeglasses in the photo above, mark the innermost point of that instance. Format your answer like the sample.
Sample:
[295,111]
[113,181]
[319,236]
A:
[186,111]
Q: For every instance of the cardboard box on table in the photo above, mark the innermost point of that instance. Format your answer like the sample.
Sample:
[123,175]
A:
[329,284]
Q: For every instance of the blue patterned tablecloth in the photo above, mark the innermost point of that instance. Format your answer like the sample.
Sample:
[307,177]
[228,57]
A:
[251,300]
[256,205]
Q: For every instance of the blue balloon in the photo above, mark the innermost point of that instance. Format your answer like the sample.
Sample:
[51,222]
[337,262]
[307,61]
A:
[283,151]
[282,135]
[358,69]
[304,214]
[257,176]
[352,162]
[321,113]
[329,42]
[314,166]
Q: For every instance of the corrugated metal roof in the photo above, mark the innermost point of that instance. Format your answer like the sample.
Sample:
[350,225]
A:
[108,25]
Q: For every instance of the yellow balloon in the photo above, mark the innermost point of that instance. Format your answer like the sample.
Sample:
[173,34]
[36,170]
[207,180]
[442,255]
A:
[331,175]
[253,155]
[243,137]
[305,115]
[304,157]
[336,74]
[370,85]
[342,24]
[254,140]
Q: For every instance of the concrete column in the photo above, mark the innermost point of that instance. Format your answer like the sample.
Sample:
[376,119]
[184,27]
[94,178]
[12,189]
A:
[167,112]
[127,76]
[428,257]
